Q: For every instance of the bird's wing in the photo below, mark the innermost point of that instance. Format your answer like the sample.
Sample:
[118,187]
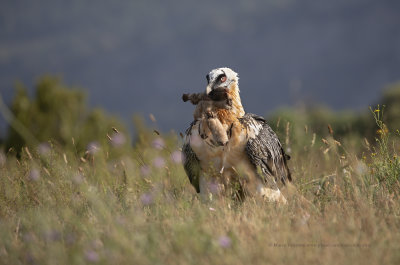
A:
[191,163]
[265,151]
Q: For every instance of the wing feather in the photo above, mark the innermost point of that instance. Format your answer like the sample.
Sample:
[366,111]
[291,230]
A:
[191,163]
[265,151]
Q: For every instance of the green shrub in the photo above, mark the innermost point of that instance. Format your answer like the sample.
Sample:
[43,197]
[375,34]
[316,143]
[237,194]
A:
[58,114]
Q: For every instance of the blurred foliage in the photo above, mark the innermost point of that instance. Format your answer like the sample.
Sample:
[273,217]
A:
[301,126]
[298,125]
[391,101]
[58,114]
[384,162]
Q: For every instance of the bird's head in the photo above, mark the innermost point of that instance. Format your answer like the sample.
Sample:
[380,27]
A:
[223,83]
[222,80]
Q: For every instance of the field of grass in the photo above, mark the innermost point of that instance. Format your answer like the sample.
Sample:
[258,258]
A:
[118,205]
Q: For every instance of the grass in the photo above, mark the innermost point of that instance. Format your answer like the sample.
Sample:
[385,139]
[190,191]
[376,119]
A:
[116,206]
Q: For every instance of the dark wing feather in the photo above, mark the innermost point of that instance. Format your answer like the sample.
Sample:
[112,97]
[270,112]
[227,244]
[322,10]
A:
[191,163]
[265,150]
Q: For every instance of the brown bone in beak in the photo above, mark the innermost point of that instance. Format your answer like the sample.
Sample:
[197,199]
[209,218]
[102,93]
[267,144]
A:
[219,94]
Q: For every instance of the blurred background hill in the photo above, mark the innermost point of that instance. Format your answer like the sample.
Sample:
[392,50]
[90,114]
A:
[140,56]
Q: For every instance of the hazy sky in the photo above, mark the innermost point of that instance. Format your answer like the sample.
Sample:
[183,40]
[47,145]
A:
[140,56]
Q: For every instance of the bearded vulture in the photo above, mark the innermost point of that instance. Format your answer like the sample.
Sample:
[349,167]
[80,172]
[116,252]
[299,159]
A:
[252,162]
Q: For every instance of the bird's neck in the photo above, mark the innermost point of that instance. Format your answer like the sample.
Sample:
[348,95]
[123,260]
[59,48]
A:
[237,111]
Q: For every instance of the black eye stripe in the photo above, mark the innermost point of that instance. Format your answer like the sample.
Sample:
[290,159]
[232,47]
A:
[220,76]
[208,78]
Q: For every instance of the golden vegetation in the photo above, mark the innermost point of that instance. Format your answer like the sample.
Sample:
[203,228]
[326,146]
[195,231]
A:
[109,203]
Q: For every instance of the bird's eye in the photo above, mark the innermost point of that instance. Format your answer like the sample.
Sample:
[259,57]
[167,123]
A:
[223,78]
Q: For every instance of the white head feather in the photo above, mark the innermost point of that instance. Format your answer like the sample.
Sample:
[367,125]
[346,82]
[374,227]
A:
[231,77]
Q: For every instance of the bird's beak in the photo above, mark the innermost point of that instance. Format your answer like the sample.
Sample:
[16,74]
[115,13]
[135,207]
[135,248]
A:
[209,88]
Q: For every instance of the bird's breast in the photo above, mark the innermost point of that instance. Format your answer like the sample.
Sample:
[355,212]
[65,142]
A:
[204,148]
[212,156]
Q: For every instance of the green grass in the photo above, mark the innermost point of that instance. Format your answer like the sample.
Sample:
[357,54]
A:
[114,206]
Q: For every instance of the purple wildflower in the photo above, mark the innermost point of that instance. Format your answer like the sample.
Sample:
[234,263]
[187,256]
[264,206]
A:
[34,174]
[93,147]
[159,162]
[213,187]
[158,143]
[43,149]
[145,171]
[176,157]
[92,256]
[224,241]
[146,199]
[118,139]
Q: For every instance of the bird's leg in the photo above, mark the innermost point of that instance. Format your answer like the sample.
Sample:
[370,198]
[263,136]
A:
[223,162]
[224,150]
